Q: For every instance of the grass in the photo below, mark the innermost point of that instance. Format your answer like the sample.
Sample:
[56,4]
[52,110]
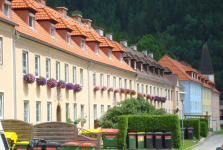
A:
[187,143]
[218,132]
[221,126]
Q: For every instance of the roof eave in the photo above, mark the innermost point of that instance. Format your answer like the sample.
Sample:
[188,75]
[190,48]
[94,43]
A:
[9,22]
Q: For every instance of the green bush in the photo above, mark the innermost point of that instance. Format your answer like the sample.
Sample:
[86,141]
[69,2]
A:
[204,129]
[204,120]
[123,127]
[195,123]
[153,123]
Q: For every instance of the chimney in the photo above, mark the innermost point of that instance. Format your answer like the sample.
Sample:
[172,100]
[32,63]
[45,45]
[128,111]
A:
[43,2]
[144,51]
[77,16]
[150,54]
[109,36]
[133,46]
[123,42]
[88,22]
[100,31]
[63,10]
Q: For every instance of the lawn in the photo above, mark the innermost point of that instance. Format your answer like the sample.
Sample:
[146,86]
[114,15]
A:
[218,132]
[187,143]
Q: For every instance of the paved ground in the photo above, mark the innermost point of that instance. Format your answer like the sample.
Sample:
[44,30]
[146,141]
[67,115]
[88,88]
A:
[211,143]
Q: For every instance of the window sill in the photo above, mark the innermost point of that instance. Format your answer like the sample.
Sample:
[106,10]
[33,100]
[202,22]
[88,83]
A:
[99,55]
[2,66]
[71,45]
[34,29]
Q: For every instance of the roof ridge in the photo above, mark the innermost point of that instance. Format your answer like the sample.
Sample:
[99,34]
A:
[117,45]
[105,42]
[78,29]
[46,12]
[24,4]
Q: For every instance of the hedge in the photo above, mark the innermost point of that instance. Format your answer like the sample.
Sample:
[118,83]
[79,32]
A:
[195,123]
[150,123]
[205,120]
[204,129]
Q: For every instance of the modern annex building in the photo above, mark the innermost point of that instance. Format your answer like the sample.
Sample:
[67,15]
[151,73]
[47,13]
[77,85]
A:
[36,39]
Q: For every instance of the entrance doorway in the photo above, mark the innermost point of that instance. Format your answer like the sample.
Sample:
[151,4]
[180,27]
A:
[58,113]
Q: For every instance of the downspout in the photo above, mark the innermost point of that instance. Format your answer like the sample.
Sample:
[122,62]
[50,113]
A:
[88,94]
[14,73]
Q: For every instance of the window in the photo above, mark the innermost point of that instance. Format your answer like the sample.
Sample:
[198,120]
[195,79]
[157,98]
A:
[125,83]
[102,110]
[150,90]
[130,84]
[141,67]
[171,95]
[82,111]
[38,111]
[57,70]
[1,106]
[143,88]
[31,20]
[177,96]
[129,62]
[121,57]
[1,52]
[108,80]
[161,92]
[7,9]
[110,53]
[48,68]
[26,111]
[101,79]
[37,66]
[66,69]
[137,87]
[153,71]
[52,30]
[154,90]
[83,44]
[68,37]
[49,110]
[146,89]
[95,111]
[134,64]
[168,94]
[74,75]
[109,107]
[158,72]
[25,62]
[81,76]
[120,82]
[147,69]
[67,111]
[97,49]
[75,111]
[94,78]
[114,82]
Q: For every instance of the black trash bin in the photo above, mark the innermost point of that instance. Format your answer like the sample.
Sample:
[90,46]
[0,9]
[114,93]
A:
[39,146]
[184,130]
[52,146]
[158,139]
[149,139]
[168,142]
[190,132]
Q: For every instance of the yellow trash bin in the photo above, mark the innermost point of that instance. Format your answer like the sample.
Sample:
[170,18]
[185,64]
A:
[22,145]
[11,138]
[91,130]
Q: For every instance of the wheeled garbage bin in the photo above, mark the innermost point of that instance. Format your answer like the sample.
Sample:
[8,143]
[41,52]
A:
[39,146]
[140,140]
[190,132]
[71,146]
[110,137]
[87,146]
[52,146]
[23,145]
[11,138]
[149,139]
[132,140]
[158,140]
[168,140]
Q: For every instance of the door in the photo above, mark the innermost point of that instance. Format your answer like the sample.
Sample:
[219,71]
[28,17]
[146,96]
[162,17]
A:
[58,113]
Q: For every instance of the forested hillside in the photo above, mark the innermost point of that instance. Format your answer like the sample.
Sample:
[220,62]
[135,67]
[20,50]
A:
[176,27]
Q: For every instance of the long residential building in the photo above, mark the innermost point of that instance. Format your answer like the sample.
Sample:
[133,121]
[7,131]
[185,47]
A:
[36,39]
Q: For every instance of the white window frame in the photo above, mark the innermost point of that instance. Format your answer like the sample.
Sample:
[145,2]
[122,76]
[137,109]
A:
[120,82]
[26,59]
[154,90]
[2,110]
[82,111]
[94,78]
[108,106]
[146,89]
[110,53]
[74,69]
[81,76]
[121,57]
[37,66]
[95,111]
[38,103]
[68,38]
[83,44]
[102,110]
[67,110]
[125,83]
[114,81]
[108,80]
[66,72]
[158,72]
[153,71]
[8,4]
[158,92]
[49,112]
[31,16]
[57,70]
[137,87]
[151,89]
[130,84]
[52,30]
[141,67]
[97,48]
[28,111]
[129,62]
[134,64]
[75,111]
[169,95]
[49,68]
[147,69]
[101,79]
[1,51]
[142,89]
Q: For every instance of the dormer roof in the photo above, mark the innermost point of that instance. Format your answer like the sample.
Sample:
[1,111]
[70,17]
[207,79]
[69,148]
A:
[77,31]
[44,14]
[62,24]
[117,47]
[23,4]
[105,42]
[91,37]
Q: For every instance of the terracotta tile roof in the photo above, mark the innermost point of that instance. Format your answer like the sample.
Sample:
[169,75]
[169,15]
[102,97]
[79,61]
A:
[215,90]
[44,14]
[62,24]
[23,4]
[105,42]
[117,47]
[207,86]
[186,68]
[211,82]
[77,31]
[4,18]
[91,37]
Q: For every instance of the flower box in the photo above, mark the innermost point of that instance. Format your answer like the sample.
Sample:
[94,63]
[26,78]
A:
[133,92]
[41,81]
[117,90]
[77,88]
[128,91]
[122,90]
[29,78]
[111,89]
[163,99]
[61,84]
[103,88]
[148,96]
[97,88]
[51,83]
[70,86]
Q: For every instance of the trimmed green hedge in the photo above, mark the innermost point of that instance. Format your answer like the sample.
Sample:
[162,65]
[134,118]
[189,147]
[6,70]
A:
[195,123]
[204,120]
[123,127]
[150,123]
[204,129]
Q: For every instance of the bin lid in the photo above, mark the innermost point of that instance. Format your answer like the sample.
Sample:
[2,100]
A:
[132,133]
[72,143]
[23,142]
[167,133]
[91,130]
[11,136]
[140,132]
[190,128]
[52,144]
[158,132]
[109,130]
[87,144]
[149,133]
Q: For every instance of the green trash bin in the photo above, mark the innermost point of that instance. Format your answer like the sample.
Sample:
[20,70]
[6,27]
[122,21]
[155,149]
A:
[140,139]
[87,146]
[23,145]
[132,140]
[71,146]
[110,137]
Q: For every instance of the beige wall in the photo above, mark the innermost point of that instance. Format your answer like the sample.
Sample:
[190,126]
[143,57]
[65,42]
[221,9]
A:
[206,103]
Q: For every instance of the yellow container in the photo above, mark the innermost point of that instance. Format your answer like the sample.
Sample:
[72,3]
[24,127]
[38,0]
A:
[12,139]
[23,145]
[91,130]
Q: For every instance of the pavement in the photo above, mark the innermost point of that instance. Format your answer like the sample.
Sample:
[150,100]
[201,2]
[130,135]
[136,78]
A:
[211,143]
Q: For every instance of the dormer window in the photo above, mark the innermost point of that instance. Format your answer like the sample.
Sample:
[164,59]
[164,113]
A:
[7,5]
[83,44]
[97,49]
[153,71]
[68,37]
[121,57]
[158,72]
[52,30]
[163,74]
[129,62]
[31,20]
[147,69]
[110,53]
[141,66]
[134,64]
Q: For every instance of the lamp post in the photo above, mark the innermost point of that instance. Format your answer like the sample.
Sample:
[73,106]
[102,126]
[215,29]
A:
[182,100]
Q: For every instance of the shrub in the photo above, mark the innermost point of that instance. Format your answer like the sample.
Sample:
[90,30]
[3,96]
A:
[195,123]
[29,78]
[204,120]
[204,129]
[123,127]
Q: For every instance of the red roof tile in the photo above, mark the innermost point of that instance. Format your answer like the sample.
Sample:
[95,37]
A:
[44,14]
[105,42]
[117,47]
[23,4]
[3,16]
[77,31]
[62,24]
[215,90]
[91,37]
